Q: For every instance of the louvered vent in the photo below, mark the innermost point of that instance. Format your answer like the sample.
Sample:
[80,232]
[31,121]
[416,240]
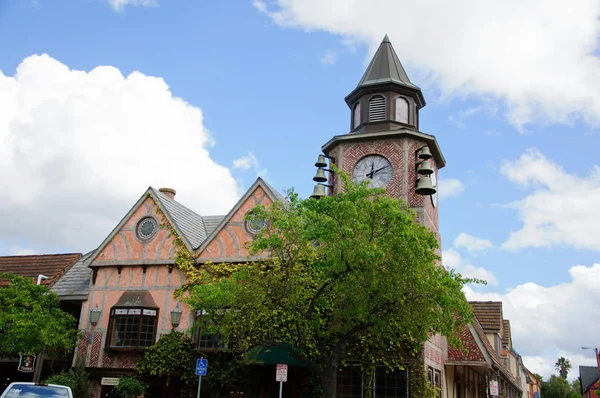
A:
[377,109]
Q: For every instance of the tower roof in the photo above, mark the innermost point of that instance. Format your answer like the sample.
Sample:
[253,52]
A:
[385,67]
[385,71]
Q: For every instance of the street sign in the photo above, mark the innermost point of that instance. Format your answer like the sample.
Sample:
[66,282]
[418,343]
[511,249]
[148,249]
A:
[281,373]
[201,365]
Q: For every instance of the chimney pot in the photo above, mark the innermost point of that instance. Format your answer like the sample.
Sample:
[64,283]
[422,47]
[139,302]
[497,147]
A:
[170,192]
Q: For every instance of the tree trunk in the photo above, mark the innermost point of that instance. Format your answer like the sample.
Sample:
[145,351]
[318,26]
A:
[329,381]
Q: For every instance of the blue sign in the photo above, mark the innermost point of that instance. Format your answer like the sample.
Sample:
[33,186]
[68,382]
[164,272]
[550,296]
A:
[201,365]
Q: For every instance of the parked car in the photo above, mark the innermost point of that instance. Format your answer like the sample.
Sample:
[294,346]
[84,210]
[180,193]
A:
[36,390]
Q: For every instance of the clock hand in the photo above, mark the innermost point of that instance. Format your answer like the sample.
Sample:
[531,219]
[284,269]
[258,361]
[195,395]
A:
[379,169]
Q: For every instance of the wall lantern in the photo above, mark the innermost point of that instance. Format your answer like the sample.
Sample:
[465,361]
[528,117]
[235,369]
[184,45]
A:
[423,172]
[319,190]
[95,315]
[175,316]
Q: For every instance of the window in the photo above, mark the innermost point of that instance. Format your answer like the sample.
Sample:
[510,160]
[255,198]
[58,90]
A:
[377,108]
[435,379]
[391,385]
[205,340]
[349,382]
[401,110]
[132,327]
[356,116]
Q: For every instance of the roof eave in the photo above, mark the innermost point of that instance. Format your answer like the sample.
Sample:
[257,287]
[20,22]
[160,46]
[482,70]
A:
[429,139]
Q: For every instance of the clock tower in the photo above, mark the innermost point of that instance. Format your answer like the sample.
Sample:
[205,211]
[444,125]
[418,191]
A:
[384,144]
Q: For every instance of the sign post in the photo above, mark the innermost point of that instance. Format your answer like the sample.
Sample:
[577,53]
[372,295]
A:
[281,372]
[201,366]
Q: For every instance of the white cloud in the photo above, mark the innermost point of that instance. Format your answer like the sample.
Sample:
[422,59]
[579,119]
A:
[453,259]
[245,162]
[561,210]
[540,62]
[450,187]
[119,5]
[472,243]
[564,314]
[329,58]
[78,148]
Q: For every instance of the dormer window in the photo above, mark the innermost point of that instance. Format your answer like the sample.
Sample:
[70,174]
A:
[402,110]
[356,116]
[377,108]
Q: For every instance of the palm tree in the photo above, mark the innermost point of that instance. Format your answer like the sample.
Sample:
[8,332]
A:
[563,366]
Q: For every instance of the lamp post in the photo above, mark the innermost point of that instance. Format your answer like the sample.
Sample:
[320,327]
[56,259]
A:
[597,357]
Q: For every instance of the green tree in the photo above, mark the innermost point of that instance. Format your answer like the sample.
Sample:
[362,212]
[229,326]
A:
[76,378]
[556,387]
[31,321]
[351,277]
[130,387]
[563,366]
[172,355]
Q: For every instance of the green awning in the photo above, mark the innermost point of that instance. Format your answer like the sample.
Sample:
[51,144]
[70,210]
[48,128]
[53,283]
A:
[273,355]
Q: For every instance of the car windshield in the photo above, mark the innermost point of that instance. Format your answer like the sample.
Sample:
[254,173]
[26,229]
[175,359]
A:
[33,391]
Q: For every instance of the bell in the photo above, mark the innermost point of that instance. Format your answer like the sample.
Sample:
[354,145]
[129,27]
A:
[425,187]
[425,168]
[321,162]
[320,176]
[318,192]
[424,153]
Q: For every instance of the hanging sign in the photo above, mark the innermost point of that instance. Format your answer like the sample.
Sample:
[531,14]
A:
[493,387]
[26,363]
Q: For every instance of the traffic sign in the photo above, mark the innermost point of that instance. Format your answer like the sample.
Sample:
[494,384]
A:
[281,373]
[201,365]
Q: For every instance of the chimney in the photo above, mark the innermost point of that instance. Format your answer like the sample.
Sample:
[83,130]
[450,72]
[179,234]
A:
[170,192]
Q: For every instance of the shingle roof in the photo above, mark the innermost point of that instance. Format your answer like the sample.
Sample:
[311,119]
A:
[189,223]
[385,67]
[76,281]
[51,265]
[506,337]
[589,376]
[473,353]
[495,358]
[211,222]
[489,314]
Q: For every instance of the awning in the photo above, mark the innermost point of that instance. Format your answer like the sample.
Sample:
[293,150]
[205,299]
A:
[273,355]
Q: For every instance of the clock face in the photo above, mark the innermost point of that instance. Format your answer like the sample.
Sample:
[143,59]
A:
[434,197]
[146,228]
[375,168]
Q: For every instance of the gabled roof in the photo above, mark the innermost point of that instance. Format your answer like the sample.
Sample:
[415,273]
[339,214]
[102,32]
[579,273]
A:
[497,362]
[473,346]
[489,314]
[589,376]
[385,67]
[53,266]
[269,190]
[75,283]
[190,224]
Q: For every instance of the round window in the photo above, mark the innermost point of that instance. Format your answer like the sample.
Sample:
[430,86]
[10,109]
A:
[146,228]
[255,225]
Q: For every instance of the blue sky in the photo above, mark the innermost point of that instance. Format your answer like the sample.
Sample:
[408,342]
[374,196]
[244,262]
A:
[255,88]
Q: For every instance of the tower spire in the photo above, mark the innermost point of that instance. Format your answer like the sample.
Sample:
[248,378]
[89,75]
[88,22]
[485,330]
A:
[385,69]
